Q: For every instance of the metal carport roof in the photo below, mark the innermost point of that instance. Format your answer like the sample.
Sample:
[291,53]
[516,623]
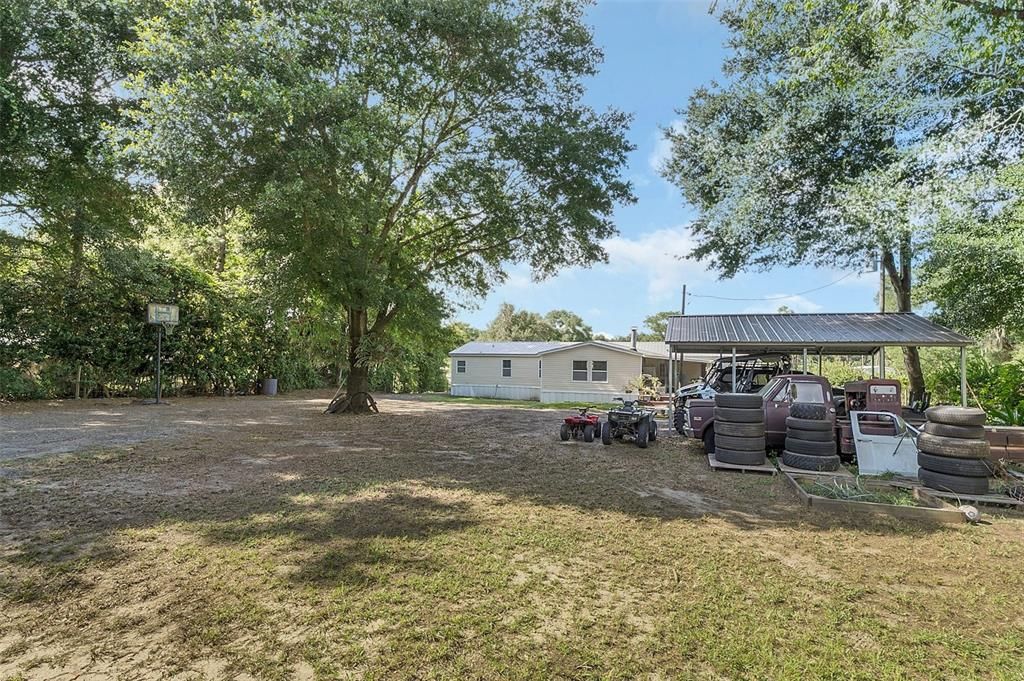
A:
[858,333]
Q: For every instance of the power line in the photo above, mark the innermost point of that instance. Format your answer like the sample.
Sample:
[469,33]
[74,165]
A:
[785,297]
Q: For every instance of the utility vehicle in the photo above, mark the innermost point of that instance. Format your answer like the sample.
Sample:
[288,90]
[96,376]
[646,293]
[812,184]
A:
[630,422]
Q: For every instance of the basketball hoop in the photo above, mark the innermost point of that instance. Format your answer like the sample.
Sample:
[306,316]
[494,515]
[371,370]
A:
[165,318]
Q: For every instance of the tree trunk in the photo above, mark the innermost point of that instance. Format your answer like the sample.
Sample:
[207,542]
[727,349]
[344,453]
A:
[357,385]
[900,276]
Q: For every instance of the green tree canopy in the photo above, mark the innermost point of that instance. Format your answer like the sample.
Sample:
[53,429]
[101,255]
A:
[390,154]
[845,129]
[511,324]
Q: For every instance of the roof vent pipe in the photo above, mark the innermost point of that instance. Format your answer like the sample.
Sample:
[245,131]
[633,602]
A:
[632,337]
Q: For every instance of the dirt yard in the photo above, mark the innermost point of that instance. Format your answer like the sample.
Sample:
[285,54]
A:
[256,538]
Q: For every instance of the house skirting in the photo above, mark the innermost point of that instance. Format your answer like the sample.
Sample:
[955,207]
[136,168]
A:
[525,392]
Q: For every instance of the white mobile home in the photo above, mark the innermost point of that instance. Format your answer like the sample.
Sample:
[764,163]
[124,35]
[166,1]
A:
[559,371]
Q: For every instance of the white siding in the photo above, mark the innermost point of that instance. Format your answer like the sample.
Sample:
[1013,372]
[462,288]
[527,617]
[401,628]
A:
[622,366]
[486,370]
[580,396]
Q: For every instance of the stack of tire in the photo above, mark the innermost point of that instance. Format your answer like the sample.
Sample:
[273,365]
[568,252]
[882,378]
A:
[953,451]
[810,439]
[739,429]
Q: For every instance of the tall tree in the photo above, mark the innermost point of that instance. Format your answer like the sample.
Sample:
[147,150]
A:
[568,326]
[390,154]
[846,129]
[511,324]
[61,188]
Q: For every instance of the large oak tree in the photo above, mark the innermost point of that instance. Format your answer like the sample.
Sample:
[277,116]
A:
[392,155]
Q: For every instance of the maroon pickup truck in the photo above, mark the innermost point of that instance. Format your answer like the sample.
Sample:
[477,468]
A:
[778,394]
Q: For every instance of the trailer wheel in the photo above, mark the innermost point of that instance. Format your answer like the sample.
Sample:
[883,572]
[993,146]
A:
[563,432]
[606,432]
[588,433]
[643,431]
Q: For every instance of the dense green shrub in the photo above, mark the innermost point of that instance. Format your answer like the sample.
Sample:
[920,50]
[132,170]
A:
[997,387]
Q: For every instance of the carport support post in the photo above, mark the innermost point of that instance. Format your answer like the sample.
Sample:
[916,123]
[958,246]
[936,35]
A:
[805,360]
[734,369]
[963,376]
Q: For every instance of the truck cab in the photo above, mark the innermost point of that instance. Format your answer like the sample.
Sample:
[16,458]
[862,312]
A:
[779,394]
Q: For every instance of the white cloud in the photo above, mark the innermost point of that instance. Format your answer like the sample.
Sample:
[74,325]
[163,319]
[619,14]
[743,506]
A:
[656,259]
[776,300]
[663,147]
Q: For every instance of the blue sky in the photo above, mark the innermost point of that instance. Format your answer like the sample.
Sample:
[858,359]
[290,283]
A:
[655,55]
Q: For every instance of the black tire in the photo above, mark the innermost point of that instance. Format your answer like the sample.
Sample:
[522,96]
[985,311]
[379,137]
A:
[952,483]
[653,435]
[956,416]
[679,417]
[737,415]
[588,433]
[739,458]
[709,441]
[810,463]
[606,432]
[563,432]
[810,447]
[811,435]
[643,431]
[739,400]
[952,446]
[960,432]
[739,429]
[966,468]
[804,410]
[740,444]
[808,424]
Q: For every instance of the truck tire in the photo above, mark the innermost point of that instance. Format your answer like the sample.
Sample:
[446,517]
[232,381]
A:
[588,433]
[961,432]
[811,435]
[739,400]
[606,432]
[679,417]
[740,444]
[808,424]
[804,410]
[739,415]
[810,447]
[967,468]
[739,429]
[563,432]
[709,440]
[952,446]
[956,416]
[739,458]
[643,431]
[810,463]
[952,483]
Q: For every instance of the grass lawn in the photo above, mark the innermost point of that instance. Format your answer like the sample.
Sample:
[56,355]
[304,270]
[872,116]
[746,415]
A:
[441,541]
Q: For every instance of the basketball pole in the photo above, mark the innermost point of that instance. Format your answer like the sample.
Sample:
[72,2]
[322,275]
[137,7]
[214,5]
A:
[159,352]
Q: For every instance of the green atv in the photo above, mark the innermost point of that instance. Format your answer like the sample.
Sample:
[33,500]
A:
[630,422]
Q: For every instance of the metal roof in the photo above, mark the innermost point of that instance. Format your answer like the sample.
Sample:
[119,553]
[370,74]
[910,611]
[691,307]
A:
[658,350]
[509,347]
[845,333]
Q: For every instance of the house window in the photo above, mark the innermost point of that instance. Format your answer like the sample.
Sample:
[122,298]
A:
[599,372]
[540,364]
[579,370]
[506,367]
[460,366]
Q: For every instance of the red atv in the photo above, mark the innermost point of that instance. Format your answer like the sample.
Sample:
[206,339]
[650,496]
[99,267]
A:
[583,424]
